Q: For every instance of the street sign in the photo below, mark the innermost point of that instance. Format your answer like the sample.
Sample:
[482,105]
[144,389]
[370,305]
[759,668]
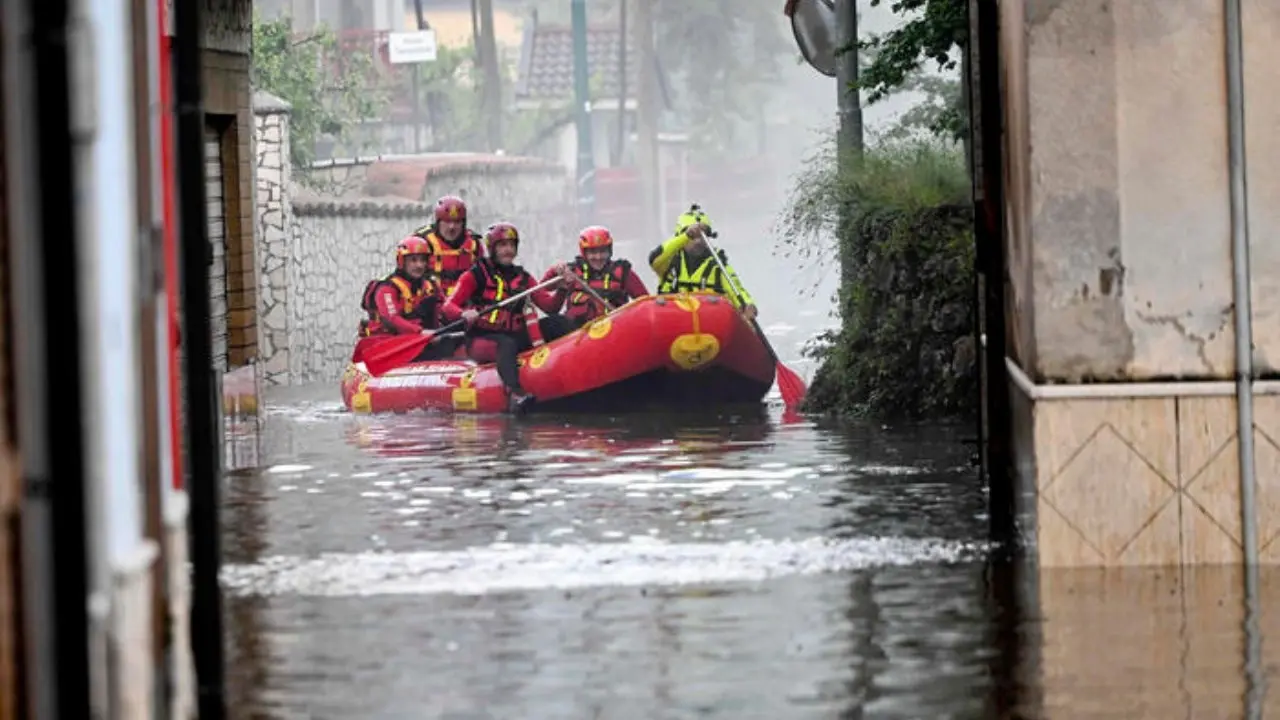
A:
[813,22]
[417,46]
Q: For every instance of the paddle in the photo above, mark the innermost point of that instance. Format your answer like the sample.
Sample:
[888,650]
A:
[401,350]
[790,384]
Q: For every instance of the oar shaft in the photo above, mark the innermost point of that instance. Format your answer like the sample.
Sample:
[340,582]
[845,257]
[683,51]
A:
[498,305]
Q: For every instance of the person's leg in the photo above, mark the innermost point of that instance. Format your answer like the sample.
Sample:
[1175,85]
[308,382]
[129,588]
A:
[442,347]
[482,348]
[556,326]
[508,347]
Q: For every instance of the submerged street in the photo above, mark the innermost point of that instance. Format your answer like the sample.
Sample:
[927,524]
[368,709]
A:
[435,566]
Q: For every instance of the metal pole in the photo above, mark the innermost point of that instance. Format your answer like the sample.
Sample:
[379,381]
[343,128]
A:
[492,76]
[586,161]
[620,138]
[415,71]
[849,101]
[203,437]
[1237,160]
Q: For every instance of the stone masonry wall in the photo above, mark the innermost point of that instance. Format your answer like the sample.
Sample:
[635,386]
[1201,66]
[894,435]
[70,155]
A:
[274,229]
[316,252]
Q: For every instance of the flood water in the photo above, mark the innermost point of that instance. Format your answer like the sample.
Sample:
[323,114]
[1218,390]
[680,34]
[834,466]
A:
[427,566]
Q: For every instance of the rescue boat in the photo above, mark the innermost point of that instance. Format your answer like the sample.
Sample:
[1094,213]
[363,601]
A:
[692,350]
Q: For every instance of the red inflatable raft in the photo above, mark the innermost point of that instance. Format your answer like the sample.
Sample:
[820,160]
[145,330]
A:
[673,351]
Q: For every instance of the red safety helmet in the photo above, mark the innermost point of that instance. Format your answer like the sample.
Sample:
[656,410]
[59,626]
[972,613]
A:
[595,237]
[412,245]
[451,207]
[498,232]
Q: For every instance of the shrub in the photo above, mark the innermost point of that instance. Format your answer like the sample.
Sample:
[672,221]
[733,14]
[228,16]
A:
[900,220]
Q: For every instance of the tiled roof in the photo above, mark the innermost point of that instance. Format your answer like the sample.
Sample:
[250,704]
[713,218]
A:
[546,64]
[407,177]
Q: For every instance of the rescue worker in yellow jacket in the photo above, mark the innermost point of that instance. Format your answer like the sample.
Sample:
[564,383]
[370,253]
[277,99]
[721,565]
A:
[684,263]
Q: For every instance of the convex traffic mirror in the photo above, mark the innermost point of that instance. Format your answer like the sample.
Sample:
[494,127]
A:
[813,22]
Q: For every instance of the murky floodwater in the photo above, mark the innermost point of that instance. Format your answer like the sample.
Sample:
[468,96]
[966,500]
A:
[663,567]
[728,566]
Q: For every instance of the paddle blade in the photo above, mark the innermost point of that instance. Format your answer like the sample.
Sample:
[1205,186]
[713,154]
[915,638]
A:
[791,385]
[394,352]
[363,344]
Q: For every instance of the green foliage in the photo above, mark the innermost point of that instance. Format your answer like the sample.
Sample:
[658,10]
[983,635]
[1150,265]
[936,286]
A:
[931,31]
[939,114]
[902,215]
[328,98]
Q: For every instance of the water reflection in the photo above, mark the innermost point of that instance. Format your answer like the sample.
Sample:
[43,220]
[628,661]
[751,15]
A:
[429,566]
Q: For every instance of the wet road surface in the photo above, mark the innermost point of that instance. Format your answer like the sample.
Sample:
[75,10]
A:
[723,566]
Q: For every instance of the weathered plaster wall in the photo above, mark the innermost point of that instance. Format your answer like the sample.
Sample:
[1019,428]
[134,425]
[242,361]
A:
[1119,247]
[1262,140]
[317,252]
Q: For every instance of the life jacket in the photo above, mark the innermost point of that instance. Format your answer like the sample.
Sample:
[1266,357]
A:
[414,303]
[706,276]
[447,263]
[609,283]
[494,288]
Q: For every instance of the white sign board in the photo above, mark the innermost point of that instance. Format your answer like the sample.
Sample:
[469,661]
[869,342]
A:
[418,46]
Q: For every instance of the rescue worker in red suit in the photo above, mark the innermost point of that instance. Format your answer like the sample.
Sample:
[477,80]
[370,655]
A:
[502,334]
[613,280]
[454,248]
[407,301]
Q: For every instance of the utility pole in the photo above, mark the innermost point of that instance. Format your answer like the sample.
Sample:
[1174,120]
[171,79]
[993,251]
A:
[492,79]
[850,104]
[647,121]
[849,142]
[582,100]
[620,137]
[416,73]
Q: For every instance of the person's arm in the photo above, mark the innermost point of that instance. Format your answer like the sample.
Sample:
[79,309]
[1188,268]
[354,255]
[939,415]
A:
[733,286]
[660,258]
[560,292]
[387,300]
[460,298]
[633,286]
[428,311]
[547,300]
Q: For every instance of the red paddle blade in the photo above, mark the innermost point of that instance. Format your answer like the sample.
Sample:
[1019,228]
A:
[363,344]
[791,385]
[394,352]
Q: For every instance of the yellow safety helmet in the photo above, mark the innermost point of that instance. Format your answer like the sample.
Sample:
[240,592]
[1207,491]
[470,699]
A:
[692,217]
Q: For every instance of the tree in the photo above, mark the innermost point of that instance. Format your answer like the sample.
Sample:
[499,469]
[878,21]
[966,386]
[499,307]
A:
[933,30]
[332,92]
[938,114]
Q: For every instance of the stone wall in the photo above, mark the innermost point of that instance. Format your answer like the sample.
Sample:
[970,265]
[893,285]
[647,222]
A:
[273,189]
[316,252]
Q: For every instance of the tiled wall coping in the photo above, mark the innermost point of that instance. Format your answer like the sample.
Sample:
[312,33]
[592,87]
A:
[1190,388]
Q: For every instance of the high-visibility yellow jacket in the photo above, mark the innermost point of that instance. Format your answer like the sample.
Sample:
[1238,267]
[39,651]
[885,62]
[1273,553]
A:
[678,272]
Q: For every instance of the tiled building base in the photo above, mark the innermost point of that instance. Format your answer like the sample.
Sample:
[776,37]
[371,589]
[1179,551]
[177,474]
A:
[1154,643]
[1144,479]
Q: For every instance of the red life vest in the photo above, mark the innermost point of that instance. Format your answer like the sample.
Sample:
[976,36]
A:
[414,303]
[493,288]
[610,283]
[447,263]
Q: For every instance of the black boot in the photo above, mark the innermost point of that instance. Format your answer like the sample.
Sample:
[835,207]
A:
[520,402]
